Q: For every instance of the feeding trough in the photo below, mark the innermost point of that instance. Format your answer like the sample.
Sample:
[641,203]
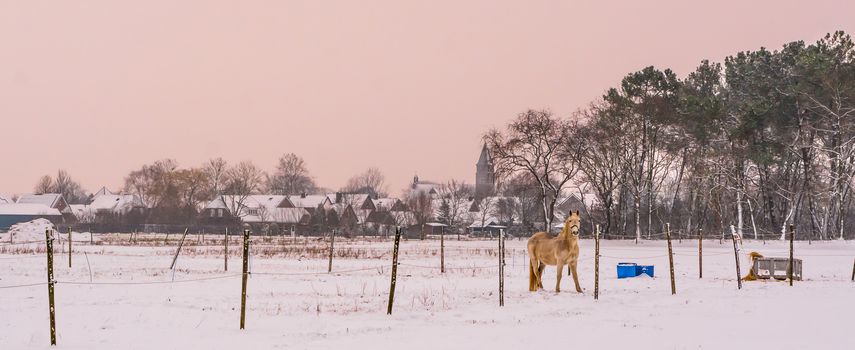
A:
[626,270]
[766,268]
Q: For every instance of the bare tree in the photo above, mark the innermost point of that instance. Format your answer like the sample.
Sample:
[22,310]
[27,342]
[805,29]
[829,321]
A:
[71,190]
[154,183]
[421,207]
[372,181]
[543,146]
[45,185]
[454,197]
[527,194]
[215,171]
[191,184]
[242,180]
[602,162]
[291,177]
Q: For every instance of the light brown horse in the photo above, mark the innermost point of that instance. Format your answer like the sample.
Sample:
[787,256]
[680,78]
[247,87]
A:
[546,249]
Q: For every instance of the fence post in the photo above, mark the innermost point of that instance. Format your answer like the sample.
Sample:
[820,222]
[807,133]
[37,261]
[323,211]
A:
[442,250]
[332,246]
[790,267]
[597,263]
[51,282]
[69,247]
[394,269]
[178,251]
[226,255]
[700,253]
[501,267]
[670,258]
[245,275]
[736,257]
[853,271]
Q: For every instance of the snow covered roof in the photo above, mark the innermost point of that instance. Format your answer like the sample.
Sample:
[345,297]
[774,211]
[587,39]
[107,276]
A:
[268,201]
[102,192]
[115,202]
[310,201]
[28,209]
[48,199]
[277,215]
[384,203]
[587,199]
[4,200]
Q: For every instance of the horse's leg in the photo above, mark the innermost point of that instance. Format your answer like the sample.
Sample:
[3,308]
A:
[575,276]
[540,267]
[532,274]
[560,268]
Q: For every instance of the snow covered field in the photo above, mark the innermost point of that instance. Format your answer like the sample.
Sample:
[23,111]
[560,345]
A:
[294,304]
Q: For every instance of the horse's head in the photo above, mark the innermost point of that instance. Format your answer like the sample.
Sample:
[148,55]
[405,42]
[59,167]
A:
[573,223]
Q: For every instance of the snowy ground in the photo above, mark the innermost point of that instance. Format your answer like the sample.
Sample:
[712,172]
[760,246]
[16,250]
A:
[293,303]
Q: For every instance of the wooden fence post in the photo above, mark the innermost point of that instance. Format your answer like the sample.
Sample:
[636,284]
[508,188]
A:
[226,253]
[178,251]
[501,267]
[853,271]
[394,269]
[69,247]
[670,258]
[700,253]
[332,246]
[245,275]
[790,267]
[597,263]
[442,250]
[736,257]
[51,282]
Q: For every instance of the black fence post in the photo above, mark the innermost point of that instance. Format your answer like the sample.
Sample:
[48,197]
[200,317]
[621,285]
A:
[51,282]
[700,253]
[394,269]
[790,267]
[597,263]
[501,267]
[670,258]
[245,275]
[332,246]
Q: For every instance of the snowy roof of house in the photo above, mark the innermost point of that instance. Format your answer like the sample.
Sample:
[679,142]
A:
[278,215]
[28,209]
[268,201]
[102,192]
[588,199]
[115,202]
[48,199]
[310,201]
[489,221]
[4,200]
[386,203]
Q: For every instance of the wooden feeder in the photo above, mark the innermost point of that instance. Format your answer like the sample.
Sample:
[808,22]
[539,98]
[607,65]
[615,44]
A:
[766,268]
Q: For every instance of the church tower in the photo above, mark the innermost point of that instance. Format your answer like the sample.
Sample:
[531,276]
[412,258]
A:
[485,177]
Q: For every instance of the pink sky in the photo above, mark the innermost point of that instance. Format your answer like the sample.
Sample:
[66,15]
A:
[101,87]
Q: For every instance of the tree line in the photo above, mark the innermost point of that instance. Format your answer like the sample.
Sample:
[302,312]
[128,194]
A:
[172,194]
[763,141]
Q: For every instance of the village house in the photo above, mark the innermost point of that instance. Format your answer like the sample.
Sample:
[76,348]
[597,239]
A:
[51,206]
[272,213]
[51,200]
[13,213]
[106,207]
